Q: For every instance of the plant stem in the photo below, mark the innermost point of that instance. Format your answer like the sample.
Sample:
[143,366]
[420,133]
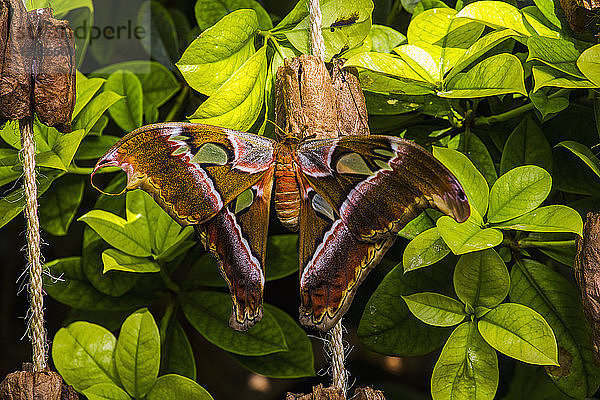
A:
[166,319]
[168,281]
[557,243]
[88,171]
[179,102]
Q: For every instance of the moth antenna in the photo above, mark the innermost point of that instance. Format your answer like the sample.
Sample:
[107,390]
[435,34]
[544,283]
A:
[278,127]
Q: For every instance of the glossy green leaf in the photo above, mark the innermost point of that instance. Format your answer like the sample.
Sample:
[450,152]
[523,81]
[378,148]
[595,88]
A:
[116,260]
[467,367]
[86,89]
[137,354]
[468,236]
[175,387]
[481,279]
[584,153]
[531,382]
[92,112]
[13,203]
[55,150]
[383,38]
[209,12]
[589,63]
[544,76]
[548,9]
[417,226]
[237,103]
[127,112]
[549,293]
[517,192]
[282,256]
[73,289]
[540,24]
[471,146]
[119,233]
[521,333]
[479,48]
[435,309]
[209,313]
[493,76]
[219,51]
[526,145]
[94,147]
[297,362]
[557,53]
[105,391]
[59,204]
[444,37]
[419,61]
[470,178]
[336,38]
[387,326]
[177,354]
[425,249]
[158,82]
[161,41]
[495,14]
[558,246]
[554,218]
[548,106]
[83,355]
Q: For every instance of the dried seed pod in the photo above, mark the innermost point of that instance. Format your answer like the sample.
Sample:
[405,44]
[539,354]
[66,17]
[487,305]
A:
[53,70]
[350,101]
[16,45]
[587,273]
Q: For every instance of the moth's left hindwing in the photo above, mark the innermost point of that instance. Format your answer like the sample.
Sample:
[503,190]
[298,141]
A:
[217,179]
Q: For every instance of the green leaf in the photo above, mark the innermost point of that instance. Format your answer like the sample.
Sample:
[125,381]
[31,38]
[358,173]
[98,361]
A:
[73,289]
[56,150]
[59,205]
[83,355]
[282,256]
[468,236]
[419,61]
[481,279]
[584,153]
[209,313]
[417,226]
[94,147]
[470,178]
[444,37]
[531,382]
[521,333]
[479,48]
[425,249]
[297,362]
[387,326]
[137,354]
[548,106]
[118,261]
[118,233]
[158,83]
[13,203]
[336,38]
[556,53]
[556,299]
[435,309]
[92,112]
[539,22]
[496,75]
[517,192]
[545,76]
[555,218]
[128,111]
[547,8]
[175,387]
[177,354]
[105,391]
[588,62]
[208,12]
[237,103]
[219,51]
[86,89]
[161,41]
[526,145]
[470,145]
[383,38]
[495,14]
[467,367]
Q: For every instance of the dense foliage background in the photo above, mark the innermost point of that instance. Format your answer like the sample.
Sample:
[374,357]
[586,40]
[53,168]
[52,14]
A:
[503,93]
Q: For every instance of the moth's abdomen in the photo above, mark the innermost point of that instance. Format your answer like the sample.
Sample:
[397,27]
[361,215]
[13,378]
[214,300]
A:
[287,194]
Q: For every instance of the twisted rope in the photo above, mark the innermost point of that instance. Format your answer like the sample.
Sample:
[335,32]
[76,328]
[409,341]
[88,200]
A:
[335,335]
[36,331]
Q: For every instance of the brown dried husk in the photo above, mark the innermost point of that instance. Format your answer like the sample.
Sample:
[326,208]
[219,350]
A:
[54,70]
[27,385]
[16,45]
[587,273]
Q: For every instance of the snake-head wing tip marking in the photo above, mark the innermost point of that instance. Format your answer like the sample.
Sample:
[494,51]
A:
[323,324]
[110,159]
[453,202]
[247,322]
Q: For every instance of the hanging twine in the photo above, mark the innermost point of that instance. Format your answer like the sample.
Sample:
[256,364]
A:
[335,335]
[37,331]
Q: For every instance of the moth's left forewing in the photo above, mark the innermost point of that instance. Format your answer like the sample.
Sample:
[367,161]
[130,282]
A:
[237,236]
